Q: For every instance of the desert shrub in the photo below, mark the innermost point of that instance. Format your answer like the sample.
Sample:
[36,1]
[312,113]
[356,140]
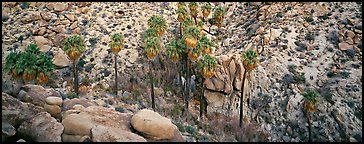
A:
[249,132]
[180,127]
[72,95]
[120,109]
[191,130]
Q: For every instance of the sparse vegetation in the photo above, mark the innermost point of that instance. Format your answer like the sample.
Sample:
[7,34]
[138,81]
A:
[29,65]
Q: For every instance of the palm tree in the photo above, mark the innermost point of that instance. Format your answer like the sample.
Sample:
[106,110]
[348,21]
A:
[206,66]
[116,45]
[206,9]
[250,60]
[309,104]
[74,46]
[193,9]
[159,23]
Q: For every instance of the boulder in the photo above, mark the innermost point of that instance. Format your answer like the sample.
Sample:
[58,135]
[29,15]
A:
[153,126]
[68,104]
[43,128]
[108,134]
[16,112]
[7,129]
[54,110]
[80,122]
[11,87]
[36,94]
[54,101]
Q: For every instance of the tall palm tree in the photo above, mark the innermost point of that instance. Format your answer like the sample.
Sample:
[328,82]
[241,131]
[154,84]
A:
[250,62]
[116,44]
[74,46]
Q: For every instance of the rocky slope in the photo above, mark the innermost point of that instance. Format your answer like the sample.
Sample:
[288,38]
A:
[322,40]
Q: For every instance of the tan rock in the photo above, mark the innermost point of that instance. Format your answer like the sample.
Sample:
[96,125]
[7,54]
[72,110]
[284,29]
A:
[65,22]
[68,104]
[259,31]
[342,32]
[36,16]
[108,134]
[36,94]
[80,122]
[42,31]
[58,39]
[50,6]
[46,16]
[71,17]
[152,125]
[59,7]
[40,41]
[75,138]
[76,31]
[305,24]
[85,10]
[344,46]
[42,23]
[54,101]
[54,110]
[349,41]
[60,29]
[357,39]
[42,128]
[350,34]
[74,25]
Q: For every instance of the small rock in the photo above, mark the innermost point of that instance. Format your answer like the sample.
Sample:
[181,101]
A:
[59,7]
[350,34]
[306,24]
[350,52]
[20,140]
[344,46]
[61,59]
[74,25]
[71,17]
[259,31]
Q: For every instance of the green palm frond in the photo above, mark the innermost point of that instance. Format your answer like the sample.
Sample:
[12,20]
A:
[310,95]
[207,6]
[153,44]
[76,42]
[207,61]
[250,56]
[192,31]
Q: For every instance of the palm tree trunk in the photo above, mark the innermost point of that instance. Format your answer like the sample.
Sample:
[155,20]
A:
[241,100]
[201,96]
[188,83]
[75,74]
[151,84]
[309,127]
[180,78]
[116,77]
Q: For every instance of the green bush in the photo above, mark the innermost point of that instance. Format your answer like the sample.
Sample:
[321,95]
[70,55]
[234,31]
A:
[180,127]
[120,109]
[191,130]
[72,95]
